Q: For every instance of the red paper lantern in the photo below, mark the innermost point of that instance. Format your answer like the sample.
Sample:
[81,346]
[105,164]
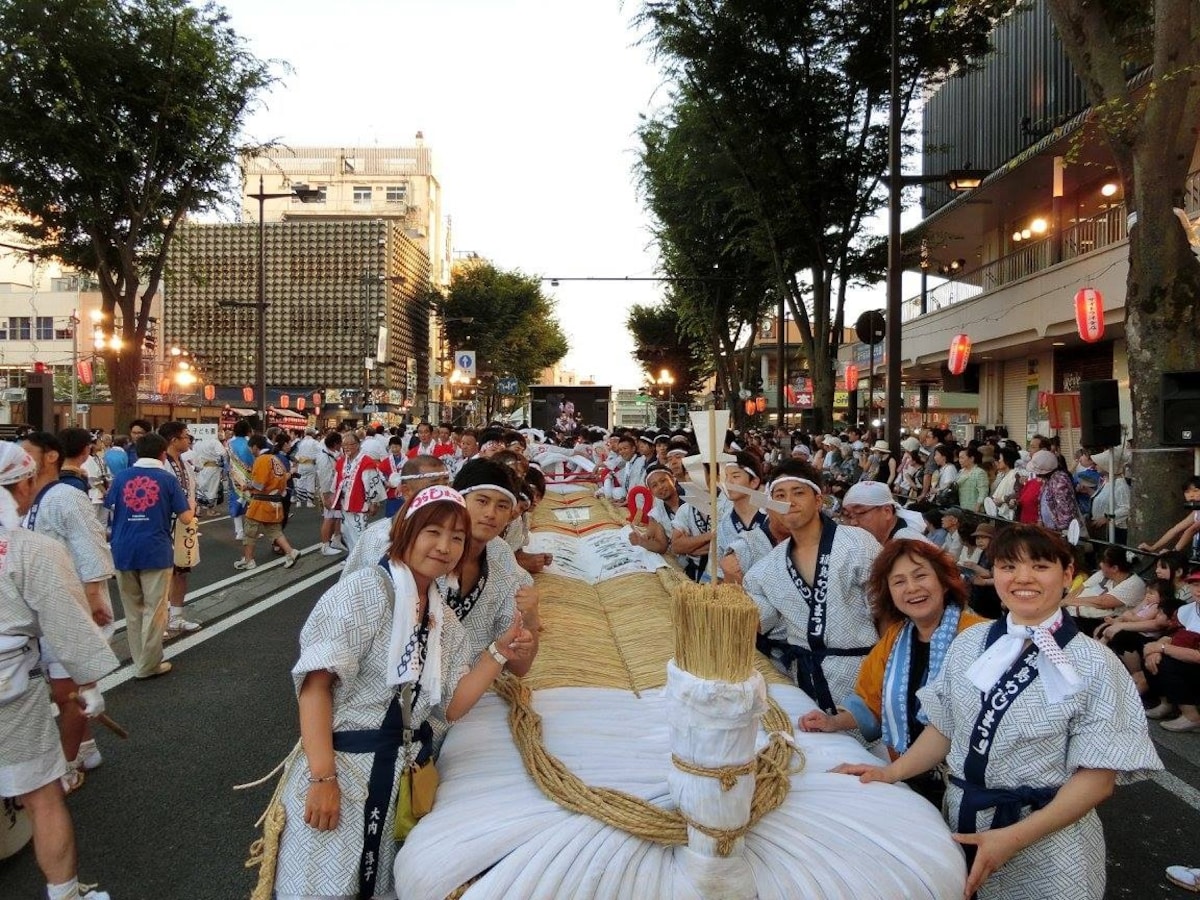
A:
[317,399]
[210,392]
[284,401]
[760,403]
[852,377]
[1089,314]
[84,368]
[750,407]
[164,385]
[248,394]
[960,353]
[300,404]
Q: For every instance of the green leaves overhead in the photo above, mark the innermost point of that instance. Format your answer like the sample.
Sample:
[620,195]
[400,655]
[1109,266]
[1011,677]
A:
[118,118]
[513,330]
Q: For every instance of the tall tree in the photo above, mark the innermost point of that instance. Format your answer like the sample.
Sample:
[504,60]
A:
[721,288]
[512,328]
[1152,133]
[117,119]
[660,343]
[794,96]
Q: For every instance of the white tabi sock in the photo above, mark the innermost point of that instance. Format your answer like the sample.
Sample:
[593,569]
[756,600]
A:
[66,891]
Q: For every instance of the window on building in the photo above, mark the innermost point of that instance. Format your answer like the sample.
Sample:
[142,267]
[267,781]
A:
[19,328]
[397,193]
[362,193]
[3,329]
[45,328]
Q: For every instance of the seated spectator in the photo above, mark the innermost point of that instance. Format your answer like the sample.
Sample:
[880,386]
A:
[1129,632]
[1111,590]
[978,565]
[952,521]
[1172,666]
[1184,533]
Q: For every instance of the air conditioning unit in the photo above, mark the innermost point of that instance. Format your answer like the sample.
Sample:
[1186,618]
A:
[12,395]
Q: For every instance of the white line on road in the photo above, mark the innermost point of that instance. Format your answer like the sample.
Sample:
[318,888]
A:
[1179,788]
[199,593]
[182,645]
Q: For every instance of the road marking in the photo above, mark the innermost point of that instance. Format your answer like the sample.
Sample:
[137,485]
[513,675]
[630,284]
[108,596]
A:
[125,673]
[202,592]
[1179,788]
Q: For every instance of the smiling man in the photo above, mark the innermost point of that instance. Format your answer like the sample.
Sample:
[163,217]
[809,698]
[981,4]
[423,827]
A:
[811,589]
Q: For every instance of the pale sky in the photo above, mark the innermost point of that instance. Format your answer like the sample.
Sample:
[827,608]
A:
[529,107]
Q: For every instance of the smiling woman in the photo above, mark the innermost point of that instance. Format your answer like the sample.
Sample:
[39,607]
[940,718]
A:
[918,598]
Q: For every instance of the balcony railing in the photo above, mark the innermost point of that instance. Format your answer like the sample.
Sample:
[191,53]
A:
[1086,236]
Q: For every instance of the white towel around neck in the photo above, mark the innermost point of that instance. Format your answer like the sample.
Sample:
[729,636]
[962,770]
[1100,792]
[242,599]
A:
[1059,678]
[404,623]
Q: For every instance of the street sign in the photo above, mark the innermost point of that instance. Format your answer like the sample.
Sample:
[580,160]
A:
[437,381]
[507,385]
[464,361]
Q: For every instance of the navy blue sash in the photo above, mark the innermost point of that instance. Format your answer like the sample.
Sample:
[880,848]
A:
[810,677]
[74,479]
[1008,801]
[31,516]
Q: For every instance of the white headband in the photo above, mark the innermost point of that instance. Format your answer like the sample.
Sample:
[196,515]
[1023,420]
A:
[490,487]
[438,493]
[782,479]
[745,469]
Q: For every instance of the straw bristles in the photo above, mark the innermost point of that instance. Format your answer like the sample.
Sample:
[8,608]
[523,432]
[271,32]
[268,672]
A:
[715,627]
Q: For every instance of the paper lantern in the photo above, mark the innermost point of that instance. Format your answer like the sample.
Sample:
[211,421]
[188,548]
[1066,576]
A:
[852,377]
[84,370]
[760,403]
[284,401]
[164,385]
[317,399]
[300,404]
[750,407]
[248,394]
[960,353]
[1089,314]
[210,392]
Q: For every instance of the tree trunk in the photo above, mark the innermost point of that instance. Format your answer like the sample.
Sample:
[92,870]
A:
[1162,334]
[123,372]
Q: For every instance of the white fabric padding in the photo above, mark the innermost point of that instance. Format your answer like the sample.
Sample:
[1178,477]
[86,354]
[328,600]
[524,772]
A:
[713,724]
[832,838]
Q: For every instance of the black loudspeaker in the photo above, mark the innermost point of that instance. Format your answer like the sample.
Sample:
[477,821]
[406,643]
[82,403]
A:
[39,400]
[1179,408]
[1100,411]
[966,383]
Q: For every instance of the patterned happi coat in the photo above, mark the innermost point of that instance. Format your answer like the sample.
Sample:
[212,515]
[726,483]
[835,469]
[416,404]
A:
[348,633]
[40,595]
[1038,744]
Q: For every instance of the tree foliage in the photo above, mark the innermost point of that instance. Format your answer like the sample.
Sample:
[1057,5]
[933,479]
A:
[793,96]
[512,329]
[117,119]
[1152,133]
[721,287]
[660,343]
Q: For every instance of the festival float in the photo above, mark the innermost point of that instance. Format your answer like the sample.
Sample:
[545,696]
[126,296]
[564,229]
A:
[651,752]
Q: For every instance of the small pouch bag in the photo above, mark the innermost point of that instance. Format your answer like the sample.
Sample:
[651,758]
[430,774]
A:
[18,656]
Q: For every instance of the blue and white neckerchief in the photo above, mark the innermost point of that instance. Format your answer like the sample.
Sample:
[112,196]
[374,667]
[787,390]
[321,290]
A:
[894,706]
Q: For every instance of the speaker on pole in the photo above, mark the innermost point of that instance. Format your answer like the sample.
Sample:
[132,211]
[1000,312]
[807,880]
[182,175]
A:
[1179,408]
[1100,414]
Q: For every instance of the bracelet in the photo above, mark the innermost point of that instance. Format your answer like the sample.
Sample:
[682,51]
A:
[497,655]
[325,780]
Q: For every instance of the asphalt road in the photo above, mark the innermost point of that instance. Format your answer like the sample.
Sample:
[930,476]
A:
[160,820]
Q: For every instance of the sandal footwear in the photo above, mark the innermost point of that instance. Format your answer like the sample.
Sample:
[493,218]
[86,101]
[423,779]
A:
[1185,877]
[73,780]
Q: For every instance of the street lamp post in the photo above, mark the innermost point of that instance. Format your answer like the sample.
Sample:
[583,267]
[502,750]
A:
[304,194]
[666,382]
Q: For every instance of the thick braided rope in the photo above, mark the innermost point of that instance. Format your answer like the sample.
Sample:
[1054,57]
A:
[634,815]
[727,775]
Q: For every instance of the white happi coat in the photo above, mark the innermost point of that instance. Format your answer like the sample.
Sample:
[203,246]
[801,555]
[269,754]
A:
[40,595]
[208,457]
[348,633]
[848,620]
[1038,744]
[304,487]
